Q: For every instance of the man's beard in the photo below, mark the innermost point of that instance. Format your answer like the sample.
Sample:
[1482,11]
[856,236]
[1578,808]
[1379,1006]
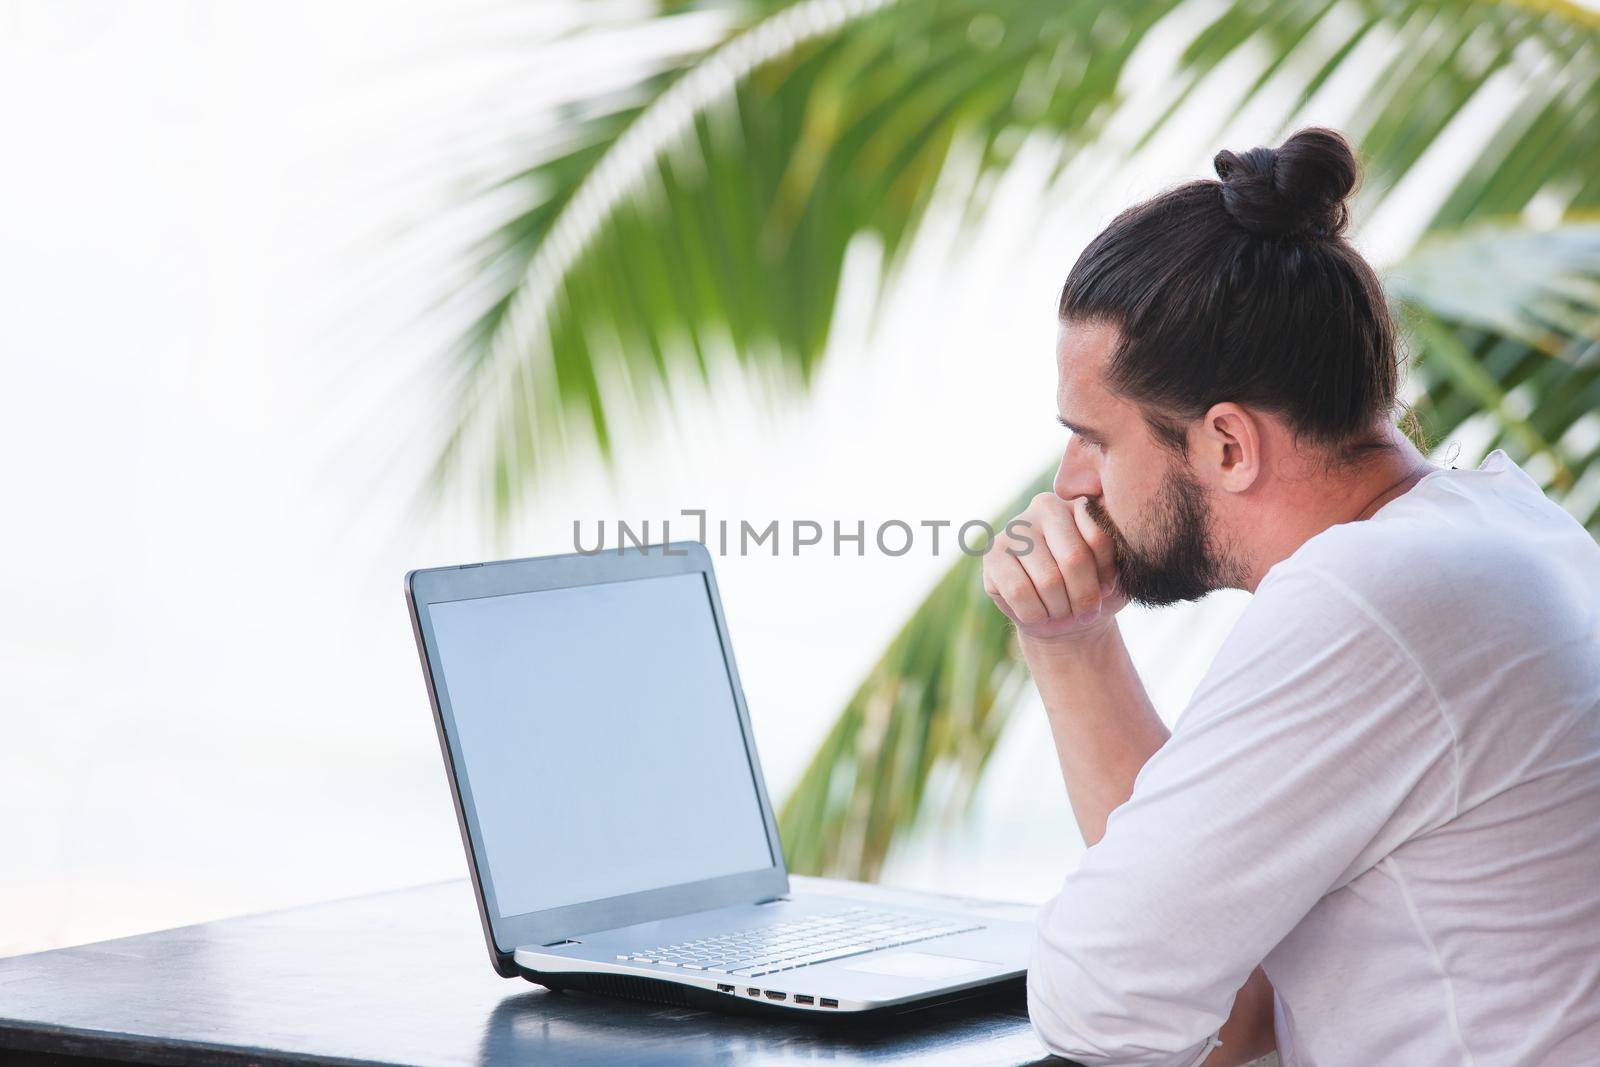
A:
[1183,562]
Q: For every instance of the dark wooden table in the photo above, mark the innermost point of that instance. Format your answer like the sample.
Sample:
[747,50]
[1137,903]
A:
[403,978]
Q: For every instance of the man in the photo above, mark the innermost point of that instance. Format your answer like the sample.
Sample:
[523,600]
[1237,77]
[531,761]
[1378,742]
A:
[1374,835]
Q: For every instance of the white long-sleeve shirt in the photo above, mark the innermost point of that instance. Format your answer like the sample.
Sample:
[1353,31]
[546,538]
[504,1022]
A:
[1385,791]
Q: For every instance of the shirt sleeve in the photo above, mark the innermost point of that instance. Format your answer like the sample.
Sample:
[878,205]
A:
[1313,746]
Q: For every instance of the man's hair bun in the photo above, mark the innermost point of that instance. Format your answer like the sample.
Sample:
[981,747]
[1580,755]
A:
[1295,190]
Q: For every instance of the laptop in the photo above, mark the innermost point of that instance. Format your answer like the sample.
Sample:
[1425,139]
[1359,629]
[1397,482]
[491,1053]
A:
[616,824]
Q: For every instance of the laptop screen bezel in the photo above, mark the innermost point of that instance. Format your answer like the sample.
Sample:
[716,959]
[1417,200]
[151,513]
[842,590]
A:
[425,588]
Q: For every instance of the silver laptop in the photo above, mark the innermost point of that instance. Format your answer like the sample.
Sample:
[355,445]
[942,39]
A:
[616,823]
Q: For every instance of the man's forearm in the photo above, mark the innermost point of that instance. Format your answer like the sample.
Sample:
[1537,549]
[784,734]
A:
[1100,716]
[1105,729]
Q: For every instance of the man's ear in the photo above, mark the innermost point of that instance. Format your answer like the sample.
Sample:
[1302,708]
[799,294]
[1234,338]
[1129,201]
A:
[1230,440]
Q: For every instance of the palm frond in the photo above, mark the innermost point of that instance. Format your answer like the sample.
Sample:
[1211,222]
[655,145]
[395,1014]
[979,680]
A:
[705,213]
[936,700]
[1505,323]
[1417,67]
[716,219]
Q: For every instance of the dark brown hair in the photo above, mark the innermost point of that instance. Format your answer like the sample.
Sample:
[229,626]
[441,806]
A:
[1245,290]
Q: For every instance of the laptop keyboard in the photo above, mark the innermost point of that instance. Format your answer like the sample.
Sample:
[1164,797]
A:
[793,943]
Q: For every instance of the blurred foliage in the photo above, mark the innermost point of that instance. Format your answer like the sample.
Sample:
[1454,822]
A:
[938,697]
[1505,321]
[705,212]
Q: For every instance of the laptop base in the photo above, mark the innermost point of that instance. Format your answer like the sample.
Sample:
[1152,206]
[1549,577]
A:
[1007,993]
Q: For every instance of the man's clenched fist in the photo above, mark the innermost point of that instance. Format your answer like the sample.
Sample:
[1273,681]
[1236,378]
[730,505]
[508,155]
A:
[1052,570]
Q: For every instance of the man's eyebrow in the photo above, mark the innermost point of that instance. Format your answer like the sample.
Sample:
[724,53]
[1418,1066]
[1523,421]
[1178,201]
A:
[1081,431]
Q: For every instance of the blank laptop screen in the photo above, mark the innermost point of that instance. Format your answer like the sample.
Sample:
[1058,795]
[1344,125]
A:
[600,740]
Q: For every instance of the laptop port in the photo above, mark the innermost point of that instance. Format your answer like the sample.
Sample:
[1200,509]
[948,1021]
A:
[722,988]
[829,1002]
[804,998]
[773,994]
[753,991]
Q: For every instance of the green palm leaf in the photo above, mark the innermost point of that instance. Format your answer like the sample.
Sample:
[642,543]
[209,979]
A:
[1507,326]
[714,222]
[938,697]
[702,221]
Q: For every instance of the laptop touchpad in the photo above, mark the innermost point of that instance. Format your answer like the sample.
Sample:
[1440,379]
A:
[916,965]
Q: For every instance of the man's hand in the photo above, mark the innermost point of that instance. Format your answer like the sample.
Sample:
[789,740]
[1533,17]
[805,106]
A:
[1064,584]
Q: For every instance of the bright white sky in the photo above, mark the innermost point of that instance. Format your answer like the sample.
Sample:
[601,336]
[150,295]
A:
[219,229]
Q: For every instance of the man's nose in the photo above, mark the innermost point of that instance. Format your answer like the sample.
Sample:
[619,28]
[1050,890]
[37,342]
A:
[1076,476]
